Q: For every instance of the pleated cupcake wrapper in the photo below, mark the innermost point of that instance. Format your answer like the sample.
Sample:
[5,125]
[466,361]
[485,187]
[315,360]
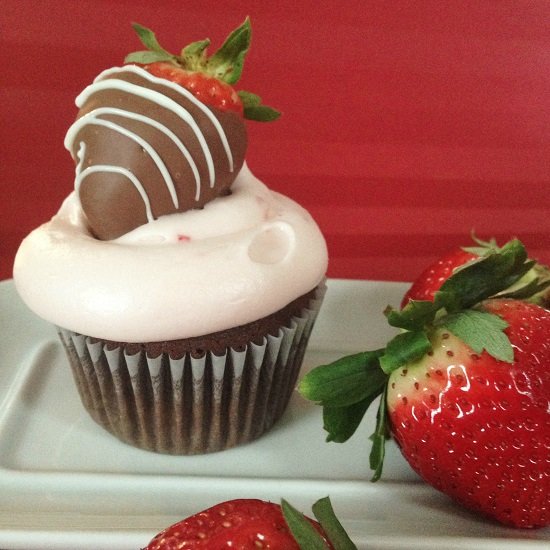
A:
[191,405]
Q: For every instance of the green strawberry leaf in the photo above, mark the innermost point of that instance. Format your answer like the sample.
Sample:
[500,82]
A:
[254,110]
[249,99]
[144,57]
[194,55]
[148,39]
[336,534]
[526,291]
[483,247]
[487,276]
[261,113]
[378,438]
[530,286]
[414,316]
[406,347]
[302,530]
[227,63]
[481,331]
[345,381]
[342,422]
[196,49]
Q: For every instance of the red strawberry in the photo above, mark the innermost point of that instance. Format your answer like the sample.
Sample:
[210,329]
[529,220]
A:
[249,524]
[477,428]
[464,390]
[432,277]
[209,78]
[430,280]
[209,89]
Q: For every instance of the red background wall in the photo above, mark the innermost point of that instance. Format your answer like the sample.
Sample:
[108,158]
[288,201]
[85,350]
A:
[406,124]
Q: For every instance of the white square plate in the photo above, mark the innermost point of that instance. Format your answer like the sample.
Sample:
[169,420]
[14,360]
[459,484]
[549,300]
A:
[65,483]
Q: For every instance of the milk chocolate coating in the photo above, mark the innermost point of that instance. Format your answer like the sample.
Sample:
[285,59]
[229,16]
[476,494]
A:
[110,199]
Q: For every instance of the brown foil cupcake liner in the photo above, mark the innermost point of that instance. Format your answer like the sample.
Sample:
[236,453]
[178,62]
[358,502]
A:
[191,405]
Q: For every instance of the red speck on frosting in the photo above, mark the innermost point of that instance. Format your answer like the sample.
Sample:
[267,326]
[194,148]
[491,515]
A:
[183,238]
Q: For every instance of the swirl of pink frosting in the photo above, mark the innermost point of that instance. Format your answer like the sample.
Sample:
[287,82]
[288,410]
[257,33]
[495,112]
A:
[240,258]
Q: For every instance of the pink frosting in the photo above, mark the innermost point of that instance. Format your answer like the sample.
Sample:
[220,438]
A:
[240,258]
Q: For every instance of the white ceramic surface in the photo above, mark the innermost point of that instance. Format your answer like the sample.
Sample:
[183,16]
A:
[65,483]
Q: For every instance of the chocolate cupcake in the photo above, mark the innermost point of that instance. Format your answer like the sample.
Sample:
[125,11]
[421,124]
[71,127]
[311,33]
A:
[184,289]
[195,395]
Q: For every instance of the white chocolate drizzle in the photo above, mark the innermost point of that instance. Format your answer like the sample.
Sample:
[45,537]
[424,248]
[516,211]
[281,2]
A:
[182,91]
[82,174]
[140,141]
[75,128]
[103,82]
[158,98]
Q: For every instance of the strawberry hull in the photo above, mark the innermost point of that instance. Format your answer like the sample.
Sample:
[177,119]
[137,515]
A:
[434,275]
[431,279]
[477,428]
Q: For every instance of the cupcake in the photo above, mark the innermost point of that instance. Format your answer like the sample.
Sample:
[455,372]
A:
[184,290]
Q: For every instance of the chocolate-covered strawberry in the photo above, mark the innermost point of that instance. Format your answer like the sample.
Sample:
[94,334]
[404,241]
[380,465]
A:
[162,134]
[463,389]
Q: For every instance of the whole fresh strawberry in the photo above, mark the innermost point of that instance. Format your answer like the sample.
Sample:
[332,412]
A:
[209,78]
[463,390]
[250,524]
[434,275]
[476,427]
